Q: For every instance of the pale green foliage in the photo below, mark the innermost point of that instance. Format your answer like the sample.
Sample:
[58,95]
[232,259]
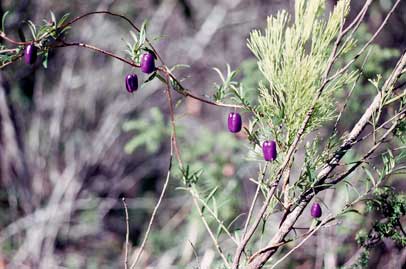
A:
[293,58]
[149,132]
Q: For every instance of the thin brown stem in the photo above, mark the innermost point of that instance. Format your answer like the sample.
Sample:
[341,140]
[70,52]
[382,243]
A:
[254,200]
[173,124]
[154,212]
[127,234]
[362,50]
[215,242]
[379,128]
[105,52]
[188,93]
[347,99]
[194,193]
[12,41]
[369,153]
[114,15]
[307,236]
[254,226]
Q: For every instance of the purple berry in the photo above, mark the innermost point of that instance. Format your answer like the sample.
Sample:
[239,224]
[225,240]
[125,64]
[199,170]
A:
[316,210]
[131,82]
[269,150]
[148,63]
[234,122]
[30,54]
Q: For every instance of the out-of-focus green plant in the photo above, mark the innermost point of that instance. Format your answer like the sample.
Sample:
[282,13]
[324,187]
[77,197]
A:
[150,131]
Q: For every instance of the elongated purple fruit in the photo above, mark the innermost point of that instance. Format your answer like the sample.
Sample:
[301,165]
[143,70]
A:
[148,63]
[315,211]
[30,54]
[269,150]
[131,82]
[234,122]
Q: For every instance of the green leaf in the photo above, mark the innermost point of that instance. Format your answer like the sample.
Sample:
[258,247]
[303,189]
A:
[45,60]
[53,18]
[63,19]
[212,193]
[143,33]
[150,78]
[370,176]
[3,21]
[351,210]
[219,229]
[32,28]
[177,66]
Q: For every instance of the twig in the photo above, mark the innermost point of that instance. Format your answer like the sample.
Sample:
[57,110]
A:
[127,234]
[347,99]
[194,193]
[216,243]
[254,200]
[380,127]
[254,226]
[359,18]
[268,248]
[154,213]
[394,99]
[275,246]
[361,51]
[114,15]
[369,153]
[84,45]
[12,41]
[195,253]
[301,243]
[5,51]
[187,93]
[184,91]
[173,124]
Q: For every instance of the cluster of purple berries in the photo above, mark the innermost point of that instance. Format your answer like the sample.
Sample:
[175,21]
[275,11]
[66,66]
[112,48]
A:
[268,150]
[147,66]
[131,80]
[268,147]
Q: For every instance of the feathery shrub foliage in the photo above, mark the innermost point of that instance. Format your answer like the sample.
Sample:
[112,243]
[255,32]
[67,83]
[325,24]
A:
[293,57]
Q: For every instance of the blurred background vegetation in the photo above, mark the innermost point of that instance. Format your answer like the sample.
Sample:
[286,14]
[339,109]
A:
[72,140]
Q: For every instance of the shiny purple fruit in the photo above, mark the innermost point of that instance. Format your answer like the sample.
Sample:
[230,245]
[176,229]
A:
[131,82]
[269,150]
[234,122]
[148,63]
[315,211]
[30,54]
